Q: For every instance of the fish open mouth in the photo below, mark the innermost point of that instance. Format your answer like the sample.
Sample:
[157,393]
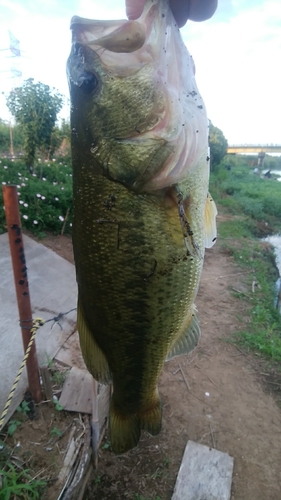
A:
[116,36]
[151,43]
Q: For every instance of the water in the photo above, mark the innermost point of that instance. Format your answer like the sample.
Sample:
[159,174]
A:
[275,241]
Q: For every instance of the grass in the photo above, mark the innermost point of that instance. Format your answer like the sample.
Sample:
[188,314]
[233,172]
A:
[250,208]
[242,193]
[18,484]
[262,330]
[16,480]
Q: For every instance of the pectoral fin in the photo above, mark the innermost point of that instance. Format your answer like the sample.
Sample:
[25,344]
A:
[210,222]
[188,340]
[190,243]
[93,356]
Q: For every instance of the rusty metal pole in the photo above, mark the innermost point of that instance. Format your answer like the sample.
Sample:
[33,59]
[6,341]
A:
[21,283]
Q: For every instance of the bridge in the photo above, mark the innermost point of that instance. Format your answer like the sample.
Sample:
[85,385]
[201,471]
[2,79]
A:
[254,148]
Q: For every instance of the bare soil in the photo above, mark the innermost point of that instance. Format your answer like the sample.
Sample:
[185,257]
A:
[219,395]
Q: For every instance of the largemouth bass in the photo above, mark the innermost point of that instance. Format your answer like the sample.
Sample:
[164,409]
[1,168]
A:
[142,213]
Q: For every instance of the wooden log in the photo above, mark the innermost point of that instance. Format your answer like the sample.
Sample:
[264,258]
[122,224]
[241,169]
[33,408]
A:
[205,474]
[46,380]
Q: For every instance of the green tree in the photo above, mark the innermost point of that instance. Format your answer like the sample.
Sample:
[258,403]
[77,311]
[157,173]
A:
[218,145]
[10,138]
[35,108]
[60,138]
[4,136]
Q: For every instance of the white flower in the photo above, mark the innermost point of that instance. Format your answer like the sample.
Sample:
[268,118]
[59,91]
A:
[70,175]
[46,161]
[38,195]
[5,166]
[54,183]
[61,218]
[18,187]
[54,159]
[25,216]
[26,178]
[62,188]
[4,183]
[70,224]
[34,175]
[56,199]
[18,193]
[35,222]
[43,197]
[60,163]
[43,178]
[23,184]
[25,204]
[21,202]
[19,174]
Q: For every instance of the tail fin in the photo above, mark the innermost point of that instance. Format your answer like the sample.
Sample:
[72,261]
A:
[151,417]
[125,429]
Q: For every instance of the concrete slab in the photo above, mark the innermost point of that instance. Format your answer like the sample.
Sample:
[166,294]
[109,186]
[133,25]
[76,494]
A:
[205,474]
[53,291]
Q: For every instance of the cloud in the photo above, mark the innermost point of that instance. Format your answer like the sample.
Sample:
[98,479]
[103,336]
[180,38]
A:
[238,73]
[237,56]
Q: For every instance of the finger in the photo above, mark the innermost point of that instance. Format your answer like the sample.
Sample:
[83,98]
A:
[196,10]
[200,10]
[134,8]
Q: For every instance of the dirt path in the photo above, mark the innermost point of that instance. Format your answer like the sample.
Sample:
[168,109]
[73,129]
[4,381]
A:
[223,404]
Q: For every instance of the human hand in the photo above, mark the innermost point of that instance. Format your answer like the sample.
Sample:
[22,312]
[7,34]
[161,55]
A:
[196,10]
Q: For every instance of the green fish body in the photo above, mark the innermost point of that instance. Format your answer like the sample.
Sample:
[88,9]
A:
[142,214]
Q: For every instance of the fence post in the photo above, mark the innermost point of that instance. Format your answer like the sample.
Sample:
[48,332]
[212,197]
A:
[21,284]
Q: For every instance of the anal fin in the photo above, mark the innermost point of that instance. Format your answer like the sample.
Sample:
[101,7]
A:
[93,356]
[188,340]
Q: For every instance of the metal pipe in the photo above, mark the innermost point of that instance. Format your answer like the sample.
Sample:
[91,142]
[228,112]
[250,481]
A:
[21,284]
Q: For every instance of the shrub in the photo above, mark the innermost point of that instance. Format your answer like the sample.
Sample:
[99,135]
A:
[45,195]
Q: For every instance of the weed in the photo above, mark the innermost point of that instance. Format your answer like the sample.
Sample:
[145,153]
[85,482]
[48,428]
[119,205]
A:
[106,445]
[97,479]
[57,405]
[58,377]
[23,408]
[12,426]
[19,484]
[55,432]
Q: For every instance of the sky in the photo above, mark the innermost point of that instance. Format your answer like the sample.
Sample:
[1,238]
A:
[237,56]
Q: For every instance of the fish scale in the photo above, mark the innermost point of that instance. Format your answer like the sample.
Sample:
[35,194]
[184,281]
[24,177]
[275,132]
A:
[140,184]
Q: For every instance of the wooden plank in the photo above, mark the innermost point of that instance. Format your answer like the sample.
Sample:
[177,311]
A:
[77,393]
[205,474]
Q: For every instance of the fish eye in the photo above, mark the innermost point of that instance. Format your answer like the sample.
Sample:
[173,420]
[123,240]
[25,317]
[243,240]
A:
[87,82]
